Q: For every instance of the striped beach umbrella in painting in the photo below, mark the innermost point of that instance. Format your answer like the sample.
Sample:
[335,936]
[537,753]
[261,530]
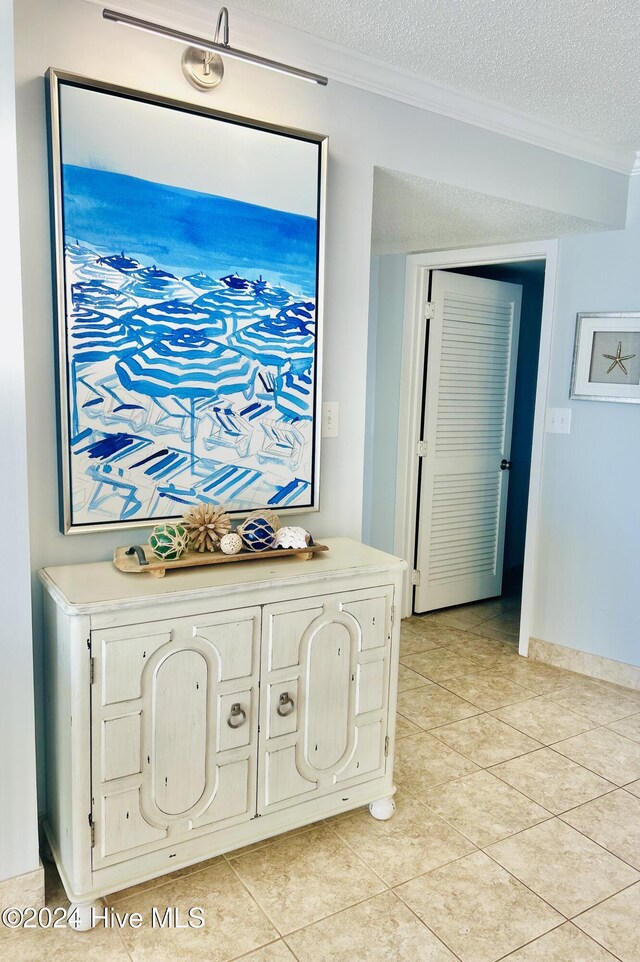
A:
[169,318]
[101,297]
[95,336]
[286,339]
[152,283]
[187,365]
[293,395]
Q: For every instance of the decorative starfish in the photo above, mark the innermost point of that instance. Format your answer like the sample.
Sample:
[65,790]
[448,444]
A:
[618,358]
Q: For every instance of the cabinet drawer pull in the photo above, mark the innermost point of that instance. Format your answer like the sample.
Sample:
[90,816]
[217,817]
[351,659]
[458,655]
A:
[237,712]
[285,704]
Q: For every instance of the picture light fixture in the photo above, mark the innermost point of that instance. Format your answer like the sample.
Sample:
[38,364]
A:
[201,62]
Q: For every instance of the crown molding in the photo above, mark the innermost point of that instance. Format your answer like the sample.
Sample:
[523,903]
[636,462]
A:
[350,67]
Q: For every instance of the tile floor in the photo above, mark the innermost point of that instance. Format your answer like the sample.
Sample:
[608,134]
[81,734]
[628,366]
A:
[516,835]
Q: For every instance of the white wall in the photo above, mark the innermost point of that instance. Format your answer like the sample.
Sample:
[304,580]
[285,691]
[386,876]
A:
[18,811]
[383,399]
[364,129]
[587,579]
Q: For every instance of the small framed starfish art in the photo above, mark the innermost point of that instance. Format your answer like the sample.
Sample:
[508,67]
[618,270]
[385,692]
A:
[606,359]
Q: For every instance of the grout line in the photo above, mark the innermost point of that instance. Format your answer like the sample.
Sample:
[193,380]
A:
[422,922]
[254,899]
[238,958]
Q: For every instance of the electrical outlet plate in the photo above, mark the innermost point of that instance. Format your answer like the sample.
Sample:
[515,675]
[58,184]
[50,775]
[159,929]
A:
[330,422]
[558,421]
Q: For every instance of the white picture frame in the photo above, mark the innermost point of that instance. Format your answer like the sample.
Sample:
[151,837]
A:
[606,359]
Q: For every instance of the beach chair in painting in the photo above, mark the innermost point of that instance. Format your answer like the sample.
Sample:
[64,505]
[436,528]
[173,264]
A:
[281,443]
[228,430]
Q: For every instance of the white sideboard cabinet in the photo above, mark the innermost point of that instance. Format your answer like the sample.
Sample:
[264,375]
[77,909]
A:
[213,708]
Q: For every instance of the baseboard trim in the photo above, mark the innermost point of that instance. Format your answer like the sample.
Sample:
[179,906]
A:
[595,666]
[23,891]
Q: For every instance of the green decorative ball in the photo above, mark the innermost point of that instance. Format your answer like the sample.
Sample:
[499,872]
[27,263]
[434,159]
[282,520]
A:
[169,541]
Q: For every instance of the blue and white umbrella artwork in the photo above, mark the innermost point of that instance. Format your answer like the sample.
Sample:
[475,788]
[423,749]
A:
[96,336]
[188,366]
[169,318]
[288,339]
[99,296]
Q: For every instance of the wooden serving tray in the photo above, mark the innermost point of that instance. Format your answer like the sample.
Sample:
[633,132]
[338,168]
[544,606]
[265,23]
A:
[158,568]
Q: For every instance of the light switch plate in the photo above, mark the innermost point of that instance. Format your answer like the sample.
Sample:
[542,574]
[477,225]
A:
[558,421]
[330,419]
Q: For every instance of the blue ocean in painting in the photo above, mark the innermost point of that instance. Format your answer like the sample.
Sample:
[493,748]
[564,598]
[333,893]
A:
[188,229]
[191,346]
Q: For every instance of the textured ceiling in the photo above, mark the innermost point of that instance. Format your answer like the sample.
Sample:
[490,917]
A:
[573,63]
[411,214]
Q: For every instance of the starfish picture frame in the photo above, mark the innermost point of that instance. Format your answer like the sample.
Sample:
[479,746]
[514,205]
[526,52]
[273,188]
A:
[606,358]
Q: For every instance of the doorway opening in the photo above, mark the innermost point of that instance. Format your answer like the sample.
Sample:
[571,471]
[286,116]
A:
[471,530]
[531,268]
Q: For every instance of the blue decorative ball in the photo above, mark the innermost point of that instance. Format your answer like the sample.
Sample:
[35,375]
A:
[257,534]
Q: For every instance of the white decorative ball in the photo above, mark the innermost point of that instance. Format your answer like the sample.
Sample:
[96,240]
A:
[231,543]
[291,537]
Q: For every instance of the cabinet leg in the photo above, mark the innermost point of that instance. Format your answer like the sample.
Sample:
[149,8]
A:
[383,808]
[82,914]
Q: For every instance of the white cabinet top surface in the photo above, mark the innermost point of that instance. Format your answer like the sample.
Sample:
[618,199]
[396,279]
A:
[85,588]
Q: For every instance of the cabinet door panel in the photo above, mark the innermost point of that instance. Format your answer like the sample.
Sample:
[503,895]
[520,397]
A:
[328,696]
[124,659]
[121,746]
[367,756]
[288,628]
[339,668]
[179,737]
[124,825]
[165,763]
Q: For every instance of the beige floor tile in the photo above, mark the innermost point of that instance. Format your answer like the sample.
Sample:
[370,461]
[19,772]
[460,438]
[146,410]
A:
[555,782]
[66,945]
[542,679]
[544,720]
[614,924]
[234,924]
[276,952]
[634,788]
[567,870]
[305,878]
[599,704]
[485,740]
[441,636]
[487,630]
[483,808]
[408,679]
[478,910]
[404,727]
[380,930]
[564,944]
[487,690]
[488,653]
[506,620]
[412,842]
[114,897]
[412,641]
[452,618]
[629,727]
[254,846]
[422,761]
[612,821]
[605,752]
[432,706]
[442,663]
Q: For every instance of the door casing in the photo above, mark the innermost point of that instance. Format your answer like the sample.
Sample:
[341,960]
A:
[413,353]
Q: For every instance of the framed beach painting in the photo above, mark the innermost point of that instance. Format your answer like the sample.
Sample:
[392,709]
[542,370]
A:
[189,259]
[606,360]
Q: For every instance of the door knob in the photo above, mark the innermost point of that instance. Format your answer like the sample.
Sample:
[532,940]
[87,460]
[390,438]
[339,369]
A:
[505,465]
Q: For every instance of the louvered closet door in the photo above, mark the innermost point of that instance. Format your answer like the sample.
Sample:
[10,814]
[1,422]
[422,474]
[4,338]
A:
[471,365]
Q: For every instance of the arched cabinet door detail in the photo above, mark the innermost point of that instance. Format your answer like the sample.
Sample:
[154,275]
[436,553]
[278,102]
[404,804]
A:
[174,731]
[324,715]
